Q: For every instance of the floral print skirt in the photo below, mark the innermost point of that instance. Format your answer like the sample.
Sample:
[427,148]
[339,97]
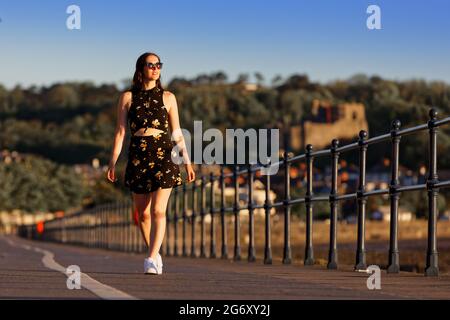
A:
[150,165]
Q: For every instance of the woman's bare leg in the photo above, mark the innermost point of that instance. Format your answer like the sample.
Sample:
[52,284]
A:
[143,202]
[159,201]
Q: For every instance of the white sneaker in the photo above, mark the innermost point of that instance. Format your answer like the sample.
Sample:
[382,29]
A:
[150,267]
[159,263]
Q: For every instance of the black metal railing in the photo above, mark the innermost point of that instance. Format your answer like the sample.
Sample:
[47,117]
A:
[110,226]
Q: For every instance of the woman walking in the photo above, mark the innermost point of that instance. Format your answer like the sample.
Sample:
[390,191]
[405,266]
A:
[150,173]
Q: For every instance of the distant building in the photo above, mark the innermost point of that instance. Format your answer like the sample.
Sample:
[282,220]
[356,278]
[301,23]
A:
[403,214]
[251,86]
[328,122]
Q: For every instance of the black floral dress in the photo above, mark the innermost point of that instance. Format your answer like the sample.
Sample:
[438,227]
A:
[150,165]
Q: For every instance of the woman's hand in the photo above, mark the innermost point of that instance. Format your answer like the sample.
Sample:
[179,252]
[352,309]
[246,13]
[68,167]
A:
[190,172]
[110,173]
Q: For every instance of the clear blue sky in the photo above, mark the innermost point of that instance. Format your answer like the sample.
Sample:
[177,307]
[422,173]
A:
[325,39]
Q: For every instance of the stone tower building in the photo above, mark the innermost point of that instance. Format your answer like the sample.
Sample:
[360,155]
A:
[341,121]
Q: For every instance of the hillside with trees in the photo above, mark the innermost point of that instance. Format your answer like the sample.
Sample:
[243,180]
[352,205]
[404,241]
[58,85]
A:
[71,123]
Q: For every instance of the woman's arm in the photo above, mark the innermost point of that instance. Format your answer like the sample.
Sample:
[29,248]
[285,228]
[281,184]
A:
[122,111]
[174,122]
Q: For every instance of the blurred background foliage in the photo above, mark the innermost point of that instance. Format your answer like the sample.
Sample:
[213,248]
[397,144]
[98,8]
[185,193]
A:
[72,123]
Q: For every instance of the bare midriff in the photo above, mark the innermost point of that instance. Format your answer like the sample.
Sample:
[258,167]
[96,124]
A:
[148,132]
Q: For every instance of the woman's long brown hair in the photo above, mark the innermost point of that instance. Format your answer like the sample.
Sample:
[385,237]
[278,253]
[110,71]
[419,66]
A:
[138,78]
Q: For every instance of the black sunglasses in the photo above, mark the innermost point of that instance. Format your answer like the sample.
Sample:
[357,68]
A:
[152,66]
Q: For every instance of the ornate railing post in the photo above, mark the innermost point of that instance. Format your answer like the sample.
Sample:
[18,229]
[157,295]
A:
[212,251]
[202,214]
[175,224]
[193,218]
[432,268]
[237,222]
[361,201]
[267,207]
[222,215]
[287,256]
[333,252]
[309,251]
[251,224]
[394,264]
[184,213]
